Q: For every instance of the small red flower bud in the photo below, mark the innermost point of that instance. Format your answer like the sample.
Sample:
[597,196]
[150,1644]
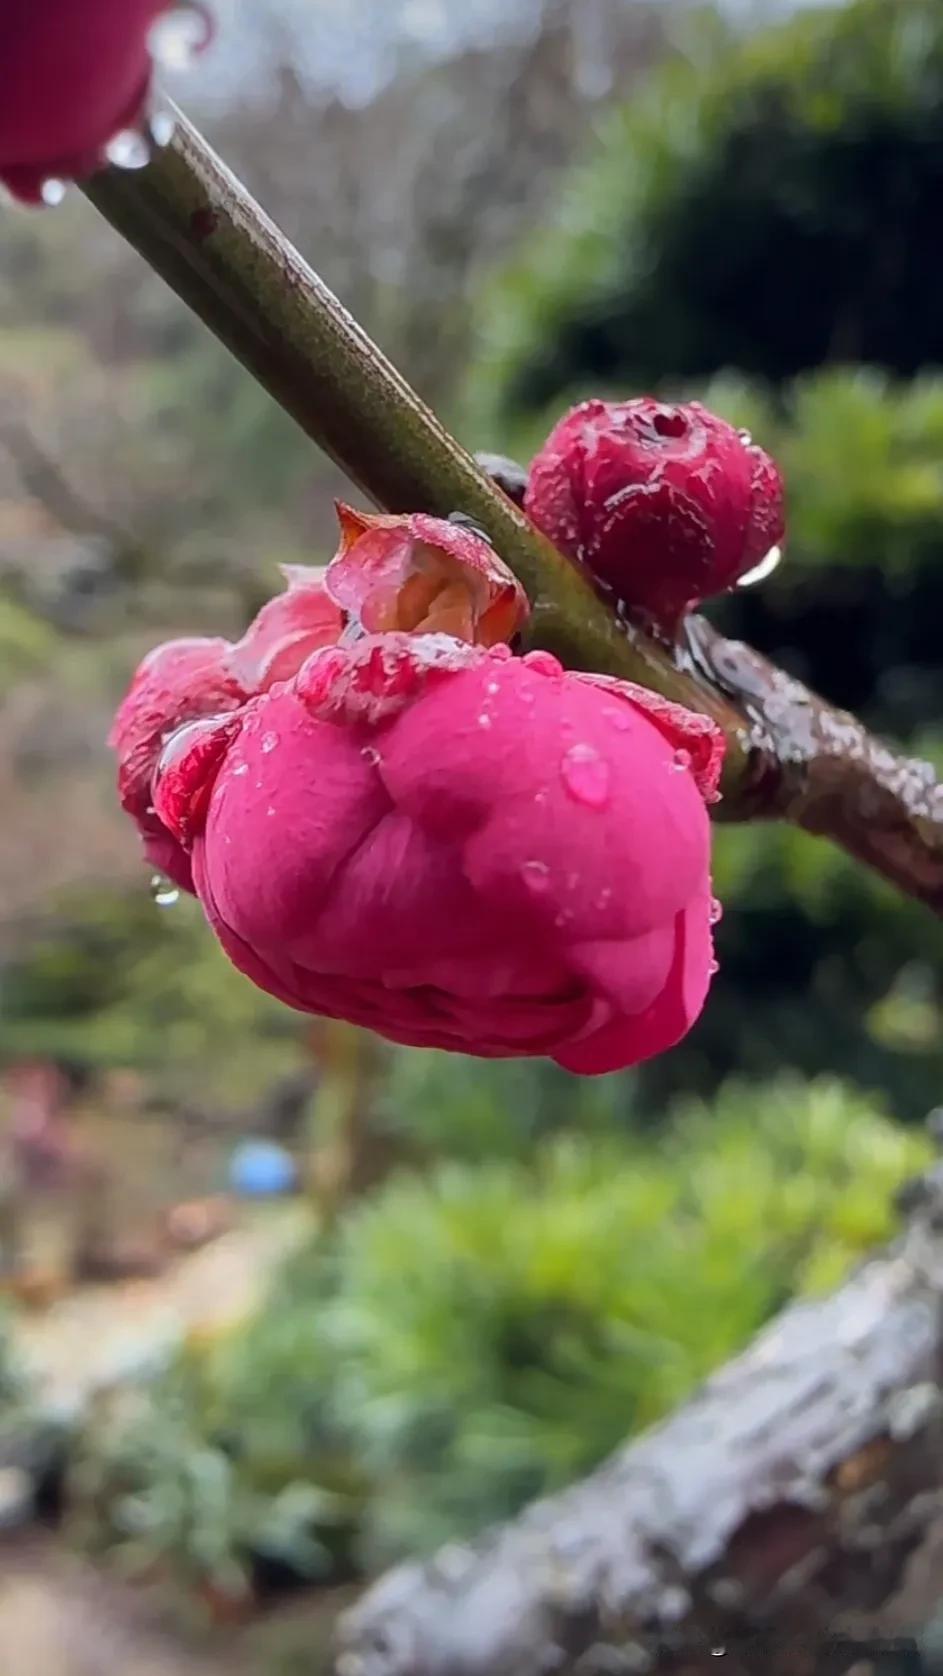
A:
[74,76]
[664,504]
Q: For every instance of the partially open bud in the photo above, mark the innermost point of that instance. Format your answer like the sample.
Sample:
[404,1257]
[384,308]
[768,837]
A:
[664,504]
[75,82]
[423,575]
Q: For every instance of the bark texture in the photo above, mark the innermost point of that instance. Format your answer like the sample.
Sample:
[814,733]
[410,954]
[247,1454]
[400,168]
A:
[788,1521]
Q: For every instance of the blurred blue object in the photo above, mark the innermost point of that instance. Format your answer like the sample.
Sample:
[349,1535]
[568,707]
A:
[260,1169]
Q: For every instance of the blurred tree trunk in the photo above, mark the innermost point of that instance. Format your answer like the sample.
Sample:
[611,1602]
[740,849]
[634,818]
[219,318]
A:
[788,1521]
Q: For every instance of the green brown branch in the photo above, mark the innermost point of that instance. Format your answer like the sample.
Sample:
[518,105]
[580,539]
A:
[198,227]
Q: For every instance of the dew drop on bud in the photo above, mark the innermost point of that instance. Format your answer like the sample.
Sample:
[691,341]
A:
[164,891]
[128,150]
[52,191]
[179,35]
[536,876]
[585,775]
[681,761]
[760,571]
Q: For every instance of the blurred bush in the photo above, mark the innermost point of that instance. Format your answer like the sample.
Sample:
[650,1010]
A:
[764,205]
[474,1338]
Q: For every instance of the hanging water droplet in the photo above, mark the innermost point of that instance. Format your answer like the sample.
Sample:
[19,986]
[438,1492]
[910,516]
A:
[52,191]
[760,571]
[716,912]
[128,150]
[681,761]
[718,1652]
[178,36]
[712,968]
[164,891]
[536,876]
[585,775]
[269,742]
[161,127]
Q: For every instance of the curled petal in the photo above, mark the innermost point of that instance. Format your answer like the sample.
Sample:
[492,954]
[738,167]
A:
[425,575]
[286,631]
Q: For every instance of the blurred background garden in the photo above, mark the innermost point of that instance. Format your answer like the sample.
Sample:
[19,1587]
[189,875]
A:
[281,1304]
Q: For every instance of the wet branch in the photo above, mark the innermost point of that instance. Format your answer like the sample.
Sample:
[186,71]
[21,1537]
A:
[789,756]
[784,1519]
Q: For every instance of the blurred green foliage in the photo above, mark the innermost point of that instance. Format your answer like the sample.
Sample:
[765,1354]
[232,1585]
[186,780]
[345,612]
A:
[112,981]
[473,1338]
[769,205]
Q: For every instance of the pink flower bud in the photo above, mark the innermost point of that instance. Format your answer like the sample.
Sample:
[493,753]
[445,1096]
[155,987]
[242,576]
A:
[185,681]
[664,504]
[458,848]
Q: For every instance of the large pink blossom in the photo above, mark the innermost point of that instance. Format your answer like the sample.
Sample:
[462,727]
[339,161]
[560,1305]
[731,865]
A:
[73,75]
[458,848]
[664,504]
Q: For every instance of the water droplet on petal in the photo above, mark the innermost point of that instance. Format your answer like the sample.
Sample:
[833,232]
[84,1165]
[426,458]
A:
[52,191]
[371,754]
[620,719]
[760,571]
[681,761]
[484,720]
[716,911]
[604,898]
[164,891]
[712,968]
[179,35]
[241,769]
[271,809]
[269,742]
[544,663]
[128,150]
[492,688]
[536,876]
[586,777]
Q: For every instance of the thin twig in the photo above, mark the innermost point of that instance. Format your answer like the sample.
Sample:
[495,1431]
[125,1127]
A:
[788,755]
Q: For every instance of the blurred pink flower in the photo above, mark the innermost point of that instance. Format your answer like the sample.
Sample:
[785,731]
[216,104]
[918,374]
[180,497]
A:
[458,849]
[664,504]
[73,75]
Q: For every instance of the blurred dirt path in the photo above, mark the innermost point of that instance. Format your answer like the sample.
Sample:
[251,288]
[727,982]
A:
[101,1335]
[59,1618]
